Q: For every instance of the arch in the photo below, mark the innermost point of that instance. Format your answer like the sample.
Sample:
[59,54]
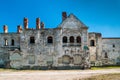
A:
[50,39]
[64,39]
[32,39]
[106,55]
[71,39]
[113,45]
[6,42]
[92,43]
[15,60]
[78,39]
[12,42]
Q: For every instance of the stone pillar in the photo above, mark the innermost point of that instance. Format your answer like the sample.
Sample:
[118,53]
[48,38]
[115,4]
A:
[19,29]
[42,25]
[37,23]
[64,16]
[25,23]
[5,28]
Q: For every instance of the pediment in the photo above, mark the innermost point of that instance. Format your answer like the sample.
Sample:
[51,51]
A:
[72,22]
[66,31]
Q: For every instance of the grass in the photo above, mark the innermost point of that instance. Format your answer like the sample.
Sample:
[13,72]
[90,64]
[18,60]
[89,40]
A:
[15,70]
[115,76]
[104,67]
[92,68]
[4,69]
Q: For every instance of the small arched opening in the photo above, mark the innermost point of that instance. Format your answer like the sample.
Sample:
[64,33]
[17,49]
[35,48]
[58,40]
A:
[32,39]
[12,42]
[64,39]
[71,39]
[106,55]
[50,39]
[6,42]
[78,40]
[92,43]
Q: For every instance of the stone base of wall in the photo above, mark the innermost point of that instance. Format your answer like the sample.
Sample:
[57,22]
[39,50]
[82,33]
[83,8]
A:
[96,63]
[52,68]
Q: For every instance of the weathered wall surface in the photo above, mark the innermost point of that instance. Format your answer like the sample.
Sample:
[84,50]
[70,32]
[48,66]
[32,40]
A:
[95,48]
[111,50]
[95,41]
[57,53]
[8,41]
[40,50]
[69,44]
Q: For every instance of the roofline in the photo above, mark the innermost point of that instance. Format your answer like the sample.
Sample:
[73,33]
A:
[10,33]
[111,38]
[94,32]
[57,28]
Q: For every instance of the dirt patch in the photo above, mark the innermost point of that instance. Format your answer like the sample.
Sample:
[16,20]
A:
[53,74]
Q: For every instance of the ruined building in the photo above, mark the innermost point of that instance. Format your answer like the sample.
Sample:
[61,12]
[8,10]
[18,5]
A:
[69,45]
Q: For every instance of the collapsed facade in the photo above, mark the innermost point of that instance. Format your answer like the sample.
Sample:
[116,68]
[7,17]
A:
[69,45]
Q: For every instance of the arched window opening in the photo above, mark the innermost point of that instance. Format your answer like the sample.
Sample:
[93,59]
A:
[106,56]
[32,40]
[113,45]
[113,50]
[78,40]
[92,43]
[50,39]
[71,39]
[64,39]
[12,42]
[6,42]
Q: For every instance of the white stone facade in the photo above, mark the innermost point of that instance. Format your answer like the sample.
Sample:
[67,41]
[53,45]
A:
[69,45]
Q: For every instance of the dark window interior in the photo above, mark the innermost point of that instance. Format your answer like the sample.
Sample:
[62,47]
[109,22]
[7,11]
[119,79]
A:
[12,42]
[71,39]
[113,45]
[64,39]
[106,56]
[32,40]
[92,43]
[50,39]
[78,39]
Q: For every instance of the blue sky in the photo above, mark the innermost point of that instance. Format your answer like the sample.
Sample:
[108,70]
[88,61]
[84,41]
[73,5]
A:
[99,15]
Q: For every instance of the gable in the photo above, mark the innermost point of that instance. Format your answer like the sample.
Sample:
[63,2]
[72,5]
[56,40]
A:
[72,22]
